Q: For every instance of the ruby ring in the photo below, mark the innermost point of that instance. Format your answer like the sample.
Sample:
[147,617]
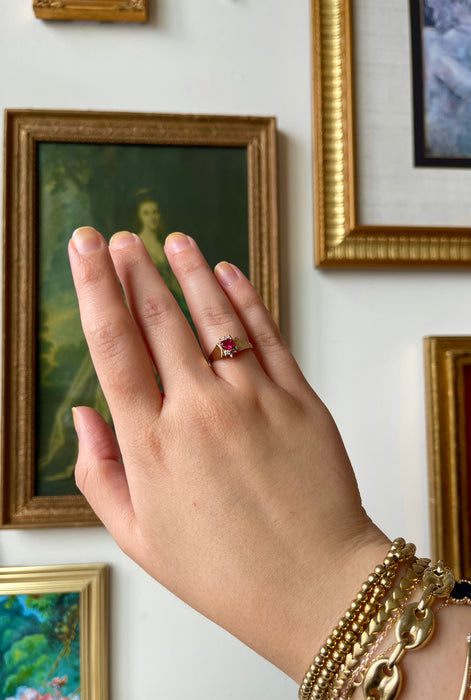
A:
[228,347]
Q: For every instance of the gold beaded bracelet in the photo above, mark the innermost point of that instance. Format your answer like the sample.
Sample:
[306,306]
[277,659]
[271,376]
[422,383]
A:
[323,670]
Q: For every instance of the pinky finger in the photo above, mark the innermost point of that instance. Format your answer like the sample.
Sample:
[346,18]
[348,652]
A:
[100,475]
[272,351]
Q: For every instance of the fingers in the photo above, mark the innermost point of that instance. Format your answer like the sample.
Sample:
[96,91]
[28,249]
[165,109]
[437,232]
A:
[117,348]
[169,338]
[270,347]
[100,475]
[212,312]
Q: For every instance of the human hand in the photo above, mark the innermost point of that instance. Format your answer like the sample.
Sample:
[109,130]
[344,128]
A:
[232,488]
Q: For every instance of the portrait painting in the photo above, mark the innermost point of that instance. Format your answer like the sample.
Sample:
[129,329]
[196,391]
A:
[441,57]
[212,178]
[150,190]
[48,628]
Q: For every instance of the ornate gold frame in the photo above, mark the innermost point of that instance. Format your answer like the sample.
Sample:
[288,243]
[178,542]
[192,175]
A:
[341,241]
[20,507]
[449,446]
[91,582]
[96,10]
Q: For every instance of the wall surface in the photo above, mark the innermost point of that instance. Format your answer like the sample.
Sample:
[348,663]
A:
[356,334]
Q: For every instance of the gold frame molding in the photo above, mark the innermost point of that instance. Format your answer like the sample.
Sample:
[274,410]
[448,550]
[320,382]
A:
[448,445]
[20,507]
[93,10]
[91,581]
[341,241]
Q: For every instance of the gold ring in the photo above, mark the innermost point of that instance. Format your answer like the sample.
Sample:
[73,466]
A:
[229,347]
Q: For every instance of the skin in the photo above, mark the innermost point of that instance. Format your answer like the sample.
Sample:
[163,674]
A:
[232,488]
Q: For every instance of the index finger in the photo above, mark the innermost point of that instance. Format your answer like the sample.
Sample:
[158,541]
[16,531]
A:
[118,351]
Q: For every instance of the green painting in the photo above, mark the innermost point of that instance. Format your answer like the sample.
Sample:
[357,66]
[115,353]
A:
[40,647]
[150,190]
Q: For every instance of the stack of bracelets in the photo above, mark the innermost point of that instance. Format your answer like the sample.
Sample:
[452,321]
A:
[347,660]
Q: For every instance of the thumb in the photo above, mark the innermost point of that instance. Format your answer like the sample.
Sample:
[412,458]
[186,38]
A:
[100,474]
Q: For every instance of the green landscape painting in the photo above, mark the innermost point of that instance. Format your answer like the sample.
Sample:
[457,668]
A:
[40,647]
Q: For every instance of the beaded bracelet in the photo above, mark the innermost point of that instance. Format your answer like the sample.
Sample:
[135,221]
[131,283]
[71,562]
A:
[322,672]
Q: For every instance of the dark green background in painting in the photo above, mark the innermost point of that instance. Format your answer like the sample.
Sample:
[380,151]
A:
[200,190]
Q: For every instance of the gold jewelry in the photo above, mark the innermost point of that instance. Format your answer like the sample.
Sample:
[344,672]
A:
[349,675]
[414,628]
[322,672]
[228,347]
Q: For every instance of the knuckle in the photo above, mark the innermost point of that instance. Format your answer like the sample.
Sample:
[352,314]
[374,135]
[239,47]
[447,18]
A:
[270,339]
[107,337]
[218,316]
[157,311]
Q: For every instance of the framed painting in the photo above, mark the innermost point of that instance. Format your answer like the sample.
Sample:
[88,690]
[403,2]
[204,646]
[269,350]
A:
[95,10]
[212,177]
[54,632]
[448,407]
[373,206]
[441,44]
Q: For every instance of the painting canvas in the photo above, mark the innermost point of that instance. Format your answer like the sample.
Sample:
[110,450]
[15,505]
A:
[150,190]
[40,647]
[441,52]
[212,177]
[448,397]
[53,632]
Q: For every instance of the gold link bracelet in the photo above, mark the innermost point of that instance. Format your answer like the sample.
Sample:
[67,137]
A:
[414,628]
[322,672]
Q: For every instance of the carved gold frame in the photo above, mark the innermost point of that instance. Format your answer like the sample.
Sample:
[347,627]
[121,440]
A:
[449,450]
[341,241]
[20,507]
[91,582]
[96,10]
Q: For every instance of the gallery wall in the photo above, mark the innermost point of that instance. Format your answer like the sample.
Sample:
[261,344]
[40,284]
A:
[356,334]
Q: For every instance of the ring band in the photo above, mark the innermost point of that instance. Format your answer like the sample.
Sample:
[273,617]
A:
[229,347]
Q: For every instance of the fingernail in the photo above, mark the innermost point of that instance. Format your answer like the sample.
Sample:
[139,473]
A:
[122,240]
[86,240]
[226,273]
[176,242]
[75,419]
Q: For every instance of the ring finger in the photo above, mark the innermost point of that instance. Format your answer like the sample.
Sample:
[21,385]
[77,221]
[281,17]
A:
[212,313]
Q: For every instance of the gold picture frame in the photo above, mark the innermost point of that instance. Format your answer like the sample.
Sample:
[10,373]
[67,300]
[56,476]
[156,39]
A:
[27,132]
[340,240]
[77,597]
[448,408]
[92,10]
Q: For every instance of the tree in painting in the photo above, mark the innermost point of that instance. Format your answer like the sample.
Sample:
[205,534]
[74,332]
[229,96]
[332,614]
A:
[40,647]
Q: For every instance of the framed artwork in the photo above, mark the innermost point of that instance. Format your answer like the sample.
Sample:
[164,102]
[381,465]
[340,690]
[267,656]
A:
[96,10]
[448,407]
[212,177]
[54,632]
[373,207]
[441,50]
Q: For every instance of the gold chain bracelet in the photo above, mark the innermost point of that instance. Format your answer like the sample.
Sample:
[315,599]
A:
[346,681]
[322,672]
[383,679]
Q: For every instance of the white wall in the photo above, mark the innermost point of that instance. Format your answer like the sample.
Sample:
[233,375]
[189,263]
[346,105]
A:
[357,335]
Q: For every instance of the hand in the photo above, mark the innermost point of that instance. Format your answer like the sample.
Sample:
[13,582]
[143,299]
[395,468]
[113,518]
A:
[232,488]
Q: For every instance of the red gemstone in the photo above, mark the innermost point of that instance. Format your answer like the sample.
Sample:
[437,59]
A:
[227,344]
